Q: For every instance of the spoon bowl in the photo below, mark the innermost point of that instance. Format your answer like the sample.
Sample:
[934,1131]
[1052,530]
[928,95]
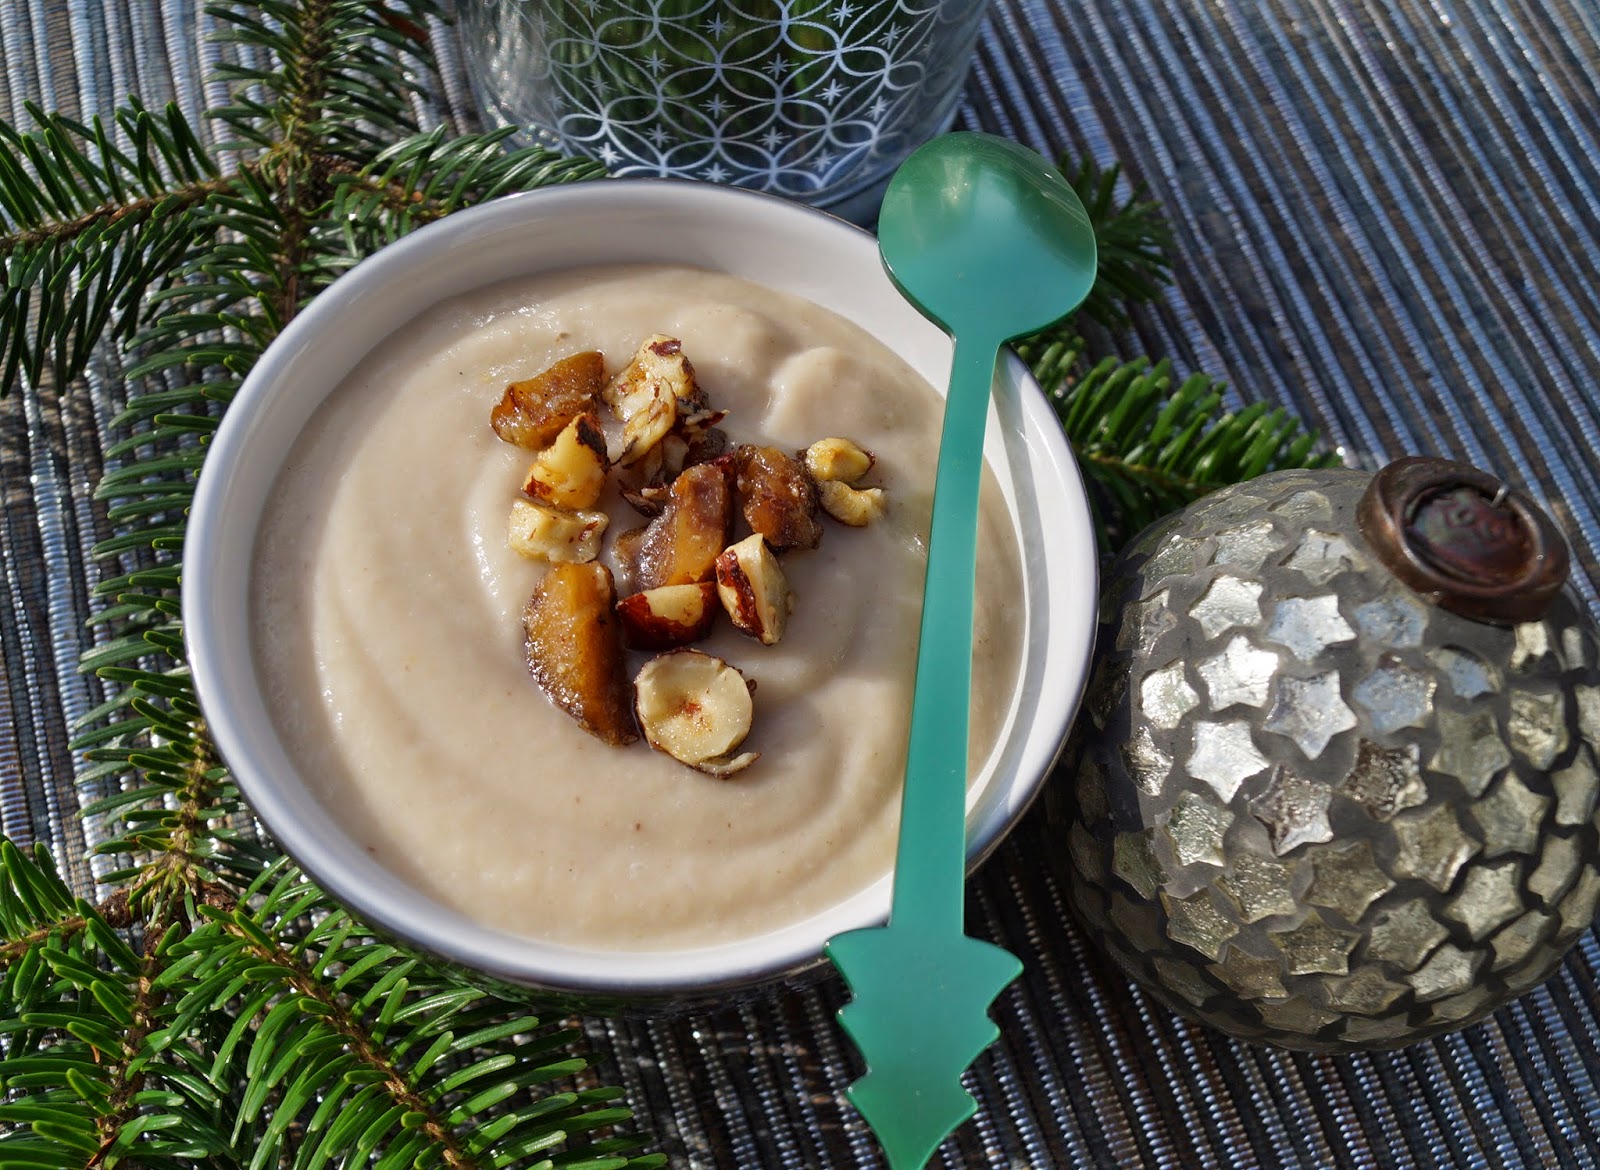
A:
[986,238]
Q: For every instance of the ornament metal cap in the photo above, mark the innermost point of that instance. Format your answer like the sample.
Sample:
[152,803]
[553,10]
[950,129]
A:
[1464,540]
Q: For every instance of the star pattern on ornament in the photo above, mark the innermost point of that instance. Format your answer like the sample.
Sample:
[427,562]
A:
[1395,619]
[1537,728]
[1404,934]
[1470,748]
[1578,648]
[1224,756]
[1510,818]
[1306,626]
[773,139]
[1516,942]
[1245,547]
[776,68]
[1458,1008]
[717,106]
[715,27]
[1315,948]
[1467,675]
[892,34]
[1384,781]
[1250,977]
[1145,622]
[1558,865]
[1310,711]
[1087,853]
[1165,696]
[1239,674]
[844,12]
[1296,1015]
[659,136]
[1369,1030]
[1488,897]
[832,92]
[1588,699]
[1577,788]
[1394,695]
[1449,972]
[655,62]
[1577,908]
[1227,602]
[1532,644]
[1366,993]
[1107,689]
[1133,859]
[1136,923]
[609,155]
[1185,980]
[1304,505]
[1261,886]
[715,173]
[1224,507]
[1195,827]
[1174,558]
[1196,922]
[1346,879]
[1321,556]
[1431,846]
[1294,810]
[878,108]
[1146,763]
[823,160]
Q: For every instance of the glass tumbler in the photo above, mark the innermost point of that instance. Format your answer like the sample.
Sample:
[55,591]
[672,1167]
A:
[817,100]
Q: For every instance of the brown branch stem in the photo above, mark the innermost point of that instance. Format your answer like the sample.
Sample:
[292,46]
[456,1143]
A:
[121,1107]
[114,911]
[110,213]
[361,1044]
[1146,473]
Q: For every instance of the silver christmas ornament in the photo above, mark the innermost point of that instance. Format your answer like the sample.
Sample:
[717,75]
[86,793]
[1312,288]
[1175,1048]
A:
[1336,783]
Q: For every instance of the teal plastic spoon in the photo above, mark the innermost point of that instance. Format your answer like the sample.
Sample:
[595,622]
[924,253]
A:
[990,242]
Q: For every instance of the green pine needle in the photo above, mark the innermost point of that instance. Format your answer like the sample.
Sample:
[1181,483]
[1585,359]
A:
[1149,443]
[1134,240]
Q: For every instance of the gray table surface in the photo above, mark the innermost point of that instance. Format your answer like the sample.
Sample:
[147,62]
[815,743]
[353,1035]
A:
[1387,215]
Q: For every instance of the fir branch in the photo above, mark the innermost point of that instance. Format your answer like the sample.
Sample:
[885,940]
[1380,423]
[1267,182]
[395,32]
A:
[1149,445]
[1133,239]
[86,227]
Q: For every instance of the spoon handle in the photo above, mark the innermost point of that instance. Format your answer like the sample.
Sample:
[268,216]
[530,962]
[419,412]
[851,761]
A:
[930,864]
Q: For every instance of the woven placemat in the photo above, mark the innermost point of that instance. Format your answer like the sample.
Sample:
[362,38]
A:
[1387,216]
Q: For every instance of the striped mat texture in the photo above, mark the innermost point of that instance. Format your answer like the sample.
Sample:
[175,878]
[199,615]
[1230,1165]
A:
[1387,217]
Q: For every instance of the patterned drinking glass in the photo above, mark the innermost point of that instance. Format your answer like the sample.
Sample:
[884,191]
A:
[817,100]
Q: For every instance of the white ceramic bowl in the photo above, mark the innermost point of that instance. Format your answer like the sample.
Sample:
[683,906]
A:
[779,244]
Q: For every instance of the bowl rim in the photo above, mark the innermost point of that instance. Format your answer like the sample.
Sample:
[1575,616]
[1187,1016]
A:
[454,936]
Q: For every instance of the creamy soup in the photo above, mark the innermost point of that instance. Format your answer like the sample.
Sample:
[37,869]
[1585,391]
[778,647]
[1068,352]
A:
[389,638]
